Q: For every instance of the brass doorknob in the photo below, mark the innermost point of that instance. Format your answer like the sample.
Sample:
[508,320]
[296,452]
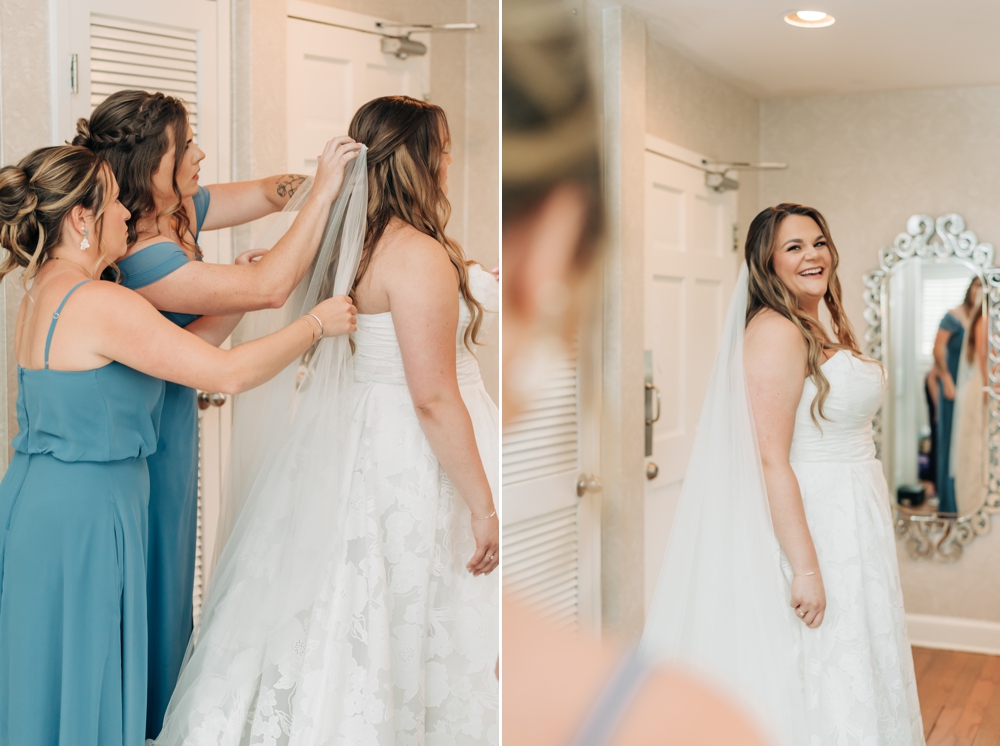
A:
[585,484]
[208,399]
[652,470]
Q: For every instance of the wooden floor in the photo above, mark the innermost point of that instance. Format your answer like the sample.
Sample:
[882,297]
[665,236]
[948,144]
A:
[959,697]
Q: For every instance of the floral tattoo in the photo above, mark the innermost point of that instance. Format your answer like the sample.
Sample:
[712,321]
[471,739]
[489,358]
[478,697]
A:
[288,184]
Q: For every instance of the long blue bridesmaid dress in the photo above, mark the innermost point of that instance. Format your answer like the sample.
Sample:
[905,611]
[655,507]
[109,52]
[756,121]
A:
[173,495]
[72,556]
[946,412]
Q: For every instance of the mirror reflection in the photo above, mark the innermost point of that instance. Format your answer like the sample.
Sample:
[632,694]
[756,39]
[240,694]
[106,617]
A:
[936,365]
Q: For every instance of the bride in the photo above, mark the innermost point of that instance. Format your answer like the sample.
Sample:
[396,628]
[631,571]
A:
[354,602]
[780,579]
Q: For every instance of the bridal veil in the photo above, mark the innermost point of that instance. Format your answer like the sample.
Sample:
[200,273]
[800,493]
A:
[721,605]
[285,496]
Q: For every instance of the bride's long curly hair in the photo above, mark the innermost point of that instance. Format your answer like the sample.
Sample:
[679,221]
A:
[407,140]
[765,290]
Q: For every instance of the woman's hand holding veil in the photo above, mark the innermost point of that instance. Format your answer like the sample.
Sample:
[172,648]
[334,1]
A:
[331,165]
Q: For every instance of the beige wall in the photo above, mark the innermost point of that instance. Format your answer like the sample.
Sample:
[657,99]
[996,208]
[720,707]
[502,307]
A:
[869,162]
[25,124]
[464,73]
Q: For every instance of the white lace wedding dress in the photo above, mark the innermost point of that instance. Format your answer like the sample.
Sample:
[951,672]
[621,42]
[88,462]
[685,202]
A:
[389,640]
[858,681]
[721,606]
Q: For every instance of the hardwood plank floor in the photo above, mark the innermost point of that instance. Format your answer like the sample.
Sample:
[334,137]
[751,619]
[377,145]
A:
[959,697]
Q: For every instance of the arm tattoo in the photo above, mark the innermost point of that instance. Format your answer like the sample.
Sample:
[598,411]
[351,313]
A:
[288,184]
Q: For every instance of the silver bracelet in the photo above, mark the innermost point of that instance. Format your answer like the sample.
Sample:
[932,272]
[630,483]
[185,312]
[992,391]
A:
[321,329]
[805,574]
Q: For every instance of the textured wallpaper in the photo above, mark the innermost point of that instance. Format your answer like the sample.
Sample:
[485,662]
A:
[868,162]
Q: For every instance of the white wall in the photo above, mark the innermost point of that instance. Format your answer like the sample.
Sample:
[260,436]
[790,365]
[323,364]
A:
[868,162]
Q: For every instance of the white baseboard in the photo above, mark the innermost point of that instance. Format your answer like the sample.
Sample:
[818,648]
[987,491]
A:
[952,633]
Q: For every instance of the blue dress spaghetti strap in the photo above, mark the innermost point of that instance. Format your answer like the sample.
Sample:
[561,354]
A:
[72,556]
[946,409]
[173,495]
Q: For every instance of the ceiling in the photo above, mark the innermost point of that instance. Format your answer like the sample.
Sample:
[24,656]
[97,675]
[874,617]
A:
[875,45]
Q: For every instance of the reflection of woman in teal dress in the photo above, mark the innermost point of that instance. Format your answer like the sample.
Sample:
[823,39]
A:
[947,351]
[149,144]
[73,503]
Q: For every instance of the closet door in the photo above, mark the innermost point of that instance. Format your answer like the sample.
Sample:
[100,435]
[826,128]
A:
[550,552]
[336,64]
[179,48]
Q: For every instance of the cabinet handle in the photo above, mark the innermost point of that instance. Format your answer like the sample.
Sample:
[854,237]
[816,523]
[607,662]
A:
[585,484]
[208,399]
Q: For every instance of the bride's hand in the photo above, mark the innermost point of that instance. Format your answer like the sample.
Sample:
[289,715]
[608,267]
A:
[331,165]
[487,556]
[809,599]
[338,314]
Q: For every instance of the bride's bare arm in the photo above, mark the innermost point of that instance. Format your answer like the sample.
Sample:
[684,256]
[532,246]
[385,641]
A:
[422,288]
[775,360]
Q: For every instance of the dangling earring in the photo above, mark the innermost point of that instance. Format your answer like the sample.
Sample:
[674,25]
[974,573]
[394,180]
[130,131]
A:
[84,244]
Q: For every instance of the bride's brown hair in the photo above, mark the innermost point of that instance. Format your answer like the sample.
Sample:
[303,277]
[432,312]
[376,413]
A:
[765,290]
[407,140]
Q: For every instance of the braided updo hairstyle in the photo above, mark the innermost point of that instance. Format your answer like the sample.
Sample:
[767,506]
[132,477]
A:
[38,193]
[133,130]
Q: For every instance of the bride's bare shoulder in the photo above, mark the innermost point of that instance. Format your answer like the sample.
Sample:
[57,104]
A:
[772,334]
[407,252]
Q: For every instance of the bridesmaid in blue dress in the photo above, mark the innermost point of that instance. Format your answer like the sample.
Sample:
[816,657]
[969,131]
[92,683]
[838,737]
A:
[73,503]
[148,142]
[947,352]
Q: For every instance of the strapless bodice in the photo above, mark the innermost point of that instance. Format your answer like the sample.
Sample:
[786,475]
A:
[110,413]
[377,357]
[844,433]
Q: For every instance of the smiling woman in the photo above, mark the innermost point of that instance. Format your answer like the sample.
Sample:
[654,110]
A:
[794,599]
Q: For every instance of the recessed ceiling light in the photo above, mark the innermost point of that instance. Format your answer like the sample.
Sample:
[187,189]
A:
[810,19]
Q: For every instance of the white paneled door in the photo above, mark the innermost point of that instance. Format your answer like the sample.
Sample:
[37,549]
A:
[180,48]
[690,270]
[336,64]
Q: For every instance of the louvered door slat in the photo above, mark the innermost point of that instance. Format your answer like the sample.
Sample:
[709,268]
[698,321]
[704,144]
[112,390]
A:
[542,563]
[128,54]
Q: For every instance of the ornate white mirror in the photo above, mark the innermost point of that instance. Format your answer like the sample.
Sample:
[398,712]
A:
[938,335]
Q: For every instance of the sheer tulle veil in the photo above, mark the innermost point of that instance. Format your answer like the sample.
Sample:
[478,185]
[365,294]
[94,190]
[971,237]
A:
[285,496]
[721,602]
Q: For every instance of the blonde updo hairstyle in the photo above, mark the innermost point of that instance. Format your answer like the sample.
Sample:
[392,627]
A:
[38,194]
[407,140]
[766,290]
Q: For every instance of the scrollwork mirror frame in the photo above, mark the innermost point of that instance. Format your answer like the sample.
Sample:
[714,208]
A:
[935,536]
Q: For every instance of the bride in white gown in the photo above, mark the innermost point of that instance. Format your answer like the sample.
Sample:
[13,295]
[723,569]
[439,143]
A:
[354,601]
[780,579]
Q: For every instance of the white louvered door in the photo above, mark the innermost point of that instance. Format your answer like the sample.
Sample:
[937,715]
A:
[179,48]
[551,536]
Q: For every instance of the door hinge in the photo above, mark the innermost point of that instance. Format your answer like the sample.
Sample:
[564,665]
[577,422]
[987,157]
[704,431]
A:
[74,73]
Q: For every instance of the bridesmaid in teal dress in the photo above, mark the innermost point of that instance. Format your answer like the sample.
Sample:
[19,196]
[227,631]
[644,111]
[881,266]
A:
[92,357]
[148,142]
